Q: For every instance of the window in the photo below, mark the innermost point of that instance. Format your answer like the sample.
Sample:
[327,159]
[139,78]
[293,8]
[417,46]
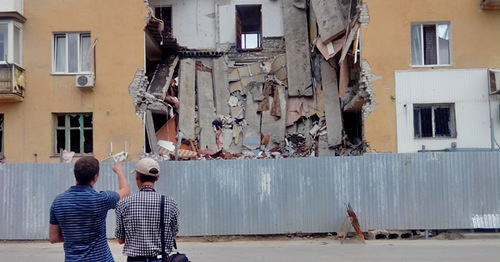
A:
[165,14]
[248,27]
[10,42]
[71,53]
[434,120]
[1,133]
[73,132]
[430,44]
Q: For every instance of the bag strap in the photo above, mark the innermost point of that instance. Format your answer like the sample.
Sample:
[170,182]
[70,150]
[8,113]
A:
[162,227]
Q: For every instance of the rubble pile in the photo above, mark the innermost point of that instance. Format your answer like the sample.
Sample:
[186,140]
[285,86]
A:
[300,104]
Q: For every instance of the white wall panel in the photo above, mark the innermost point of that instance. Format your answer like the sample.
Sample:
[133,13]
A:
[193,22]
[466,88]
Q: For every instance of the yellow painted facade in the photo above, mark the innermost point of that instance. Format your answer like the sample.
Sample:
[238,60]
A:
[386,46]
[119,27]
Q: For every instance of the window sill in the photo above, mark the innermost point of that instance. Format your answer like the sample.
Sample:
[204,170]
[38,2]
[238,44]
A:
[435,138]
[430,66]
[69,74]
[75,155]
[250,50]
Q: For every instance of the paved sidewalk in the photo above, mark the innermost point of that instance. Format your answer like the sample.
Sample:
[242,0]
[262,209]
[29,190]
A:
[318,249]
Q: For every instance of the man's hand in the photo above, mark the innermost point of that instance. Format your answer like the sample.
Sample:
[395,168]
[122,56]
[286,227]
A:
[124,188]
[118,168]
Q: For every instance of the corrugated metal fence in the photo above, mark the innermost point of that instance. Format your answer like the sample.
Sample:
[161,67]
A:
[387,191]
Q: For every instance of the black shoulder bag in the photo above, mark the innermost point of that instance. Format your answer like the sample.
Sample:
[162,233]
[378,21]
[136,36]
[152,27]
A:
[177,257]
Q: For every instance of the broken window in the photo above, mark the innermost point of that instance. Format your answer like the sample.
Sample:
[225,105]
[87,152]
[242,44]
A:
[248,27]
[73,132]
[1,133]
[165,14]
[71,53]
[10,41]
[430,44]
[434,120]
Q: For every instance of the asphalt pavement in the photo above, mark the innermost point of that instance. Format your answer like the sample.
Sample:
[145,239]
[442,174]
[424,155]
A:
[470,248]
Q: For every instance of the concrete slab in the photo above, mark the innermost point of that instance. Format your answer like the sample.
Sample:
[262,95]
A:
[162,76]
[251,134]
[297,43]
[221,86]
[332,104]
[206,110]
[330,19]
[187,98]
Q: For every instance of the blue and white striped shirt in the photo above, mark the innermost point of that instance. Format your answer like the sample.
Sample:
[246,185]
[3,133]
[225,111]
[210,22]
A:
[81,213]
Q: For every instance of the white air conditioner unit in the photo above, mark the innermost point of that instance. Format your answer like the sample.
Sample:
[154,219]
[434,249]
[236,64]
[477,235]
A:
[494,80]
[85,80]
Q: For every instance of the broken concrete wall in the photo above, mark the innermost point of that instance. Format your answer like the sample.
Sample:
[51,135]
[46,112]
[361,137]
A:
[221,85]
[263,103]
[206,110]
[187,98]
[297,46]
[332,105]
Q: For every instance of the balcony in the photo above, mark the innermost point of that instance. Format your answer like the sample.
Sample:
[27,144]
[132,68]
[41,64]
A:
[490,5]
[12,83]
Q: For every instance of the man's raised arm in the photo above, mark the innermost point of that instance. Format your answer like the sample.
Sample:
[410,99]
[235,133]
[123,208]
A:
[124,188]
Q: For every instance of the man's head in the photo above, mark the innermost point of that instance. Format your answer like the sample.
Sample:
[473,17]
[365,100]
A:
[147,170]
[86,170]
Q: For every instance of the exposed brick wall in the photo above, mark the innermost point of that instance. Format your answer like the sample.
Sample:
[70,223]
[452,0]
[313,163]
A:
[271,47]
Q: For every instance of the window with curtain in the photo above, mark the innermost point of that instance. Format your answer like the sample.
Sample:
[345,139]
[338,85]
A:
[73,132]
[71,53]
[434,120]
[430,44]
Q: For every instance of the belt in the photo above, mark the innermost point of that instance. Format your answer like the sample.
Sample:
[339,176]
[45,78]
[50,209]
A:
[147,259]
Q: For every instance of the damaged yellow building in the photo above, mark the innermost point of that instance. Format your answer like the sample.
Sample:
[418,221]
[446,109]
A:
[65,67]
[231,79]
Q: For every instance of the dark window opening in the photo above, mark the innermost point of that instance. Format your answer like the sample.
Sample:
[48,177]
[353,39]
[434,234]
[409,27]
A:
[158,121]
[73,132]
[248,27]
[165,14]
[434,120]
[353,126]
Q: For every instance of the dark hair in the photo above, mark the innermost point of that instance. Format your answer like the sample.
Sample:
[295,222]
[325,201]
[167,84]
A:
[148,178]
[85,169]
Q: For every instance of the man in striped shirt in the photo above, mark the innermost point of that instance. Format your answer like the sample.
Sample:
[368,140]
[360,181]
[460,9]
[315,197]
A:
[138,217]
[78,216]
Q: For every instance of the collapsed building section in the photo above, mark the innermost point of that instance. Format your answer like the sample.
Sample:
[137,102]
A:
[303,94]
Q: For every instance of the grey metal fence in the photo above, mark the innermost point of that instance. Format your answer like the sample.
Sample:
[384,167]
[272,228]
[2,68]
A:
[232,197]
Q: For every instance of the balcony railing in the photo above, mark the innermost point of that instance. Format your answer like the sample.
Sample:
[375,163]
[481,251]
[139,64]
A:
[12,83]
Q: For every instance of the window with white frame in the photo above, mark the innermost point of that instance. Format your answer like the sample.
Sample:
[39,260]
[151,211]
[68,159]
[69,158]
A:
[1,133]
[10,42]
[71,53]
[434,120]
[430,44]
[73,132]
